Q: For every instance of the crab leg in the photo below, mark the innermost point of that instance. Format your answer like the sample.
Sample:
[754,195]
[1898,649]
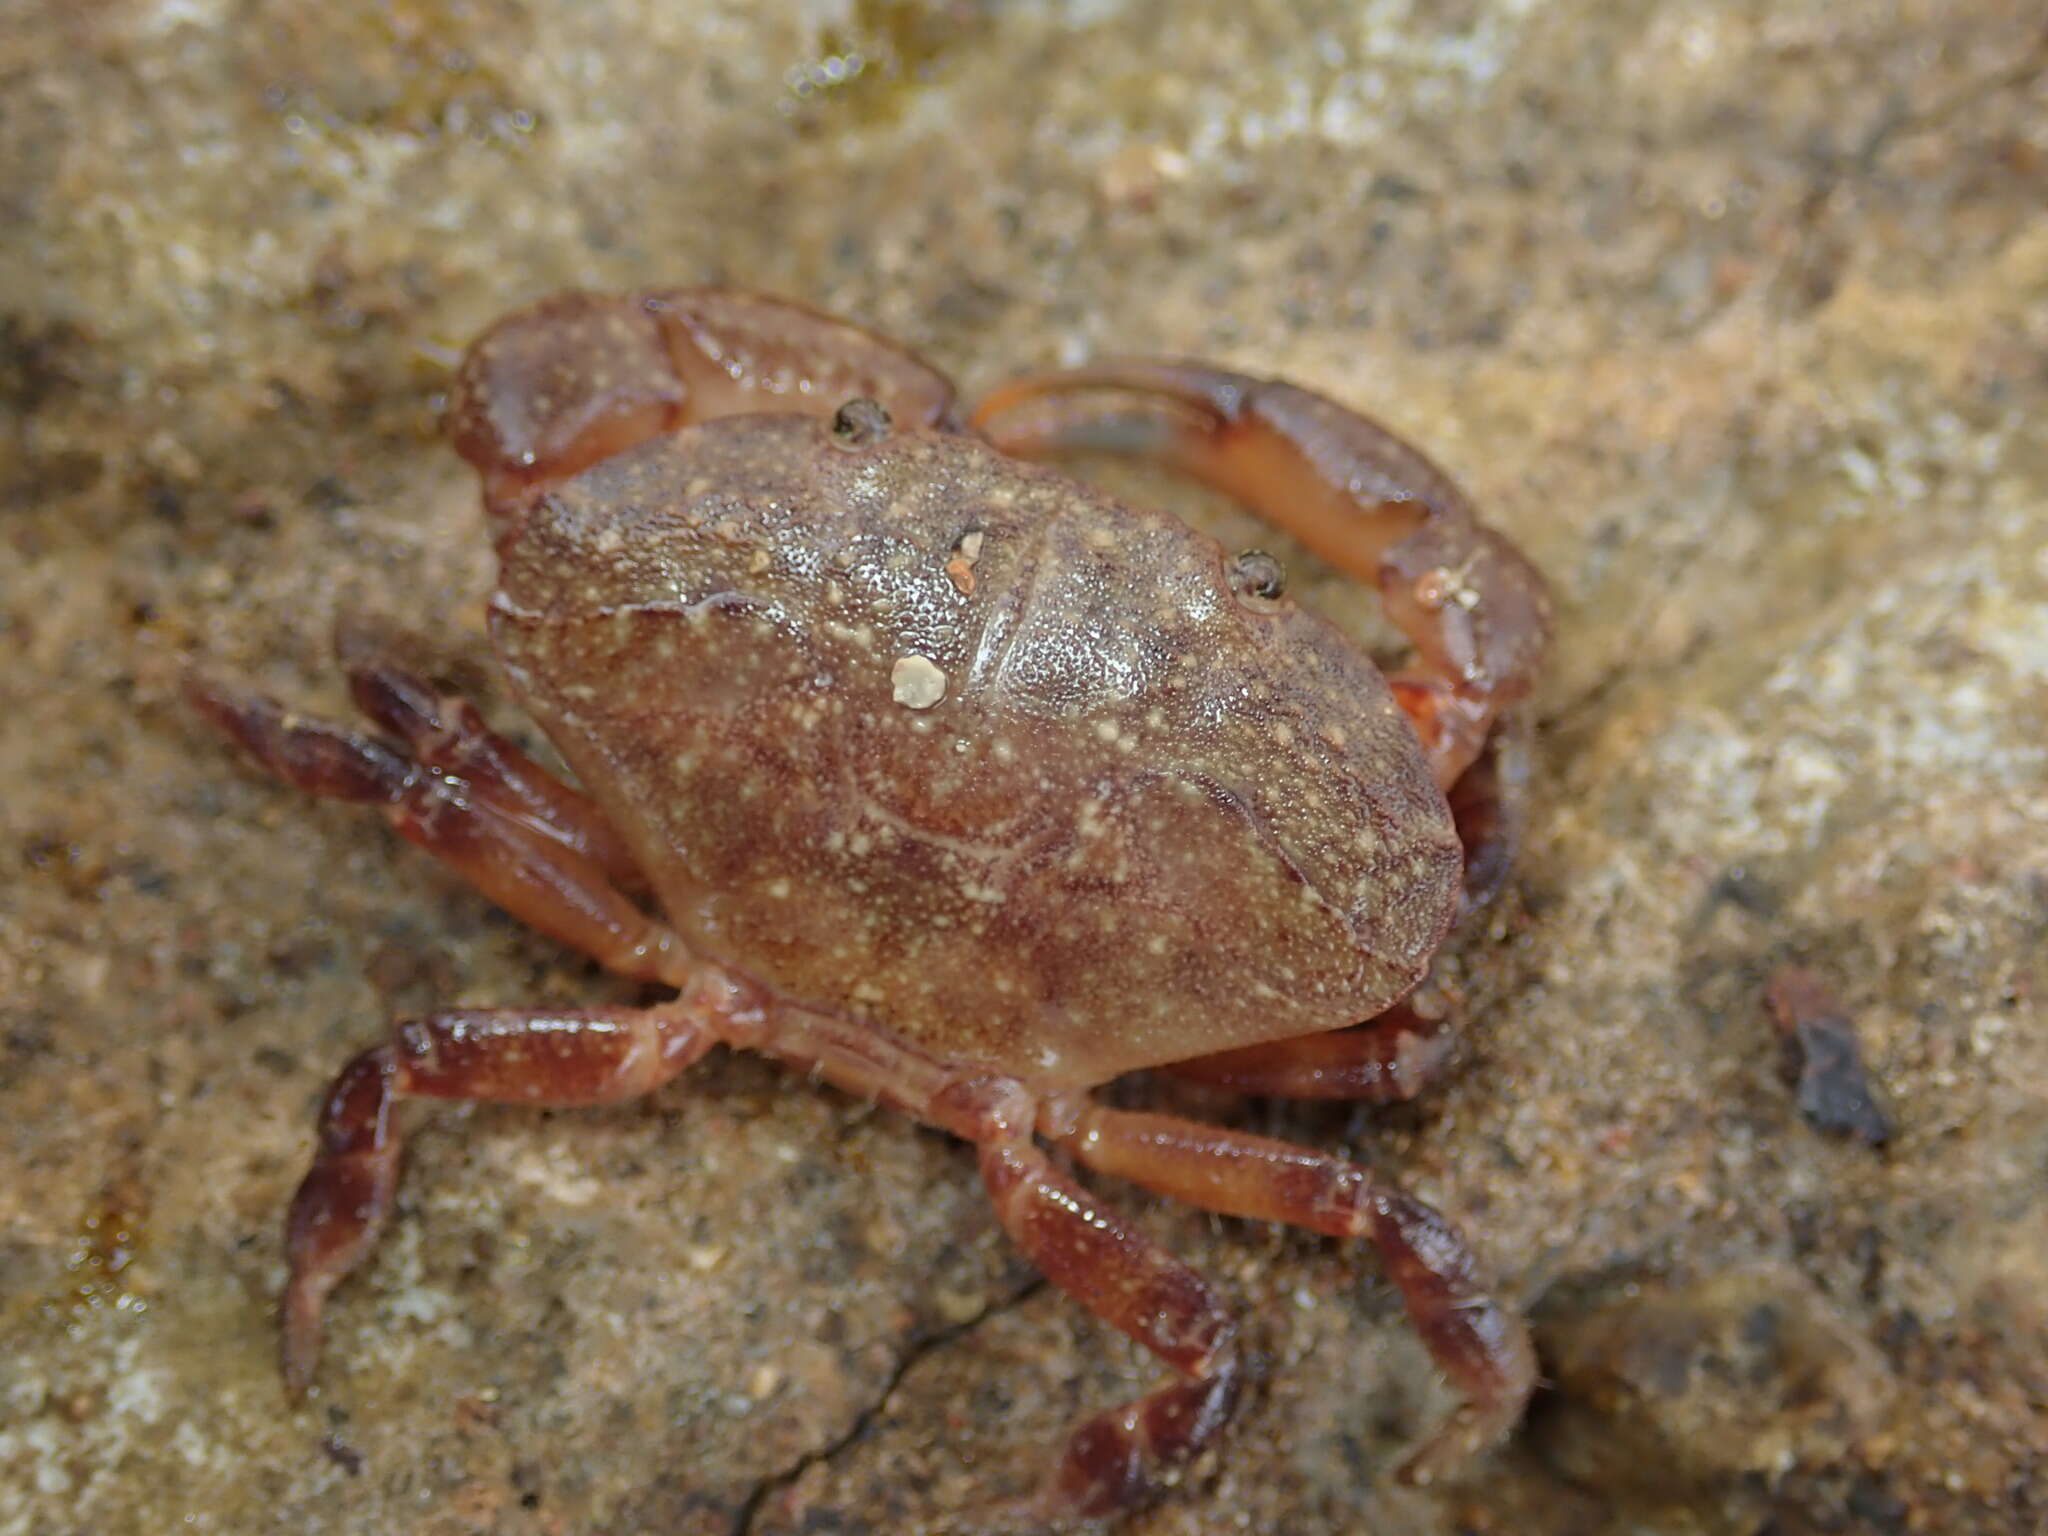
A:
[1474,609]
[446,733]
[531,873]
[1115,1458]
[1481,1345]
[503,1055]
[1490,804]
[1077,1243]
[1387,1059]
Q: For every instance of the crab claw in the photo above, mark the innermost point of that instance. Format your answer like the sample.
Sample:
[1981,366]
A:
[554,388]
[1475,610]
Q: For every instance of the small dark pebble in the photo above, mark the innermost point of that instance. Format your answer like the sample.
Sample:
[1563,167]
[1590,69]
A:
[1825,1060]
[342,1454]
[1744,888]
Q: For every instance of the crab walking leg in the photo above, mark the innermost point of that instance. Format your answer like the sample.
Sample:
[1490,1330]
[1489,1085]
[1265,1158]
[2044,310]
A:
[1490,805]
[1479,1343]
[1476,611]
[1117,1457]
[1385,1060]
[448,735]
[502,1055]
[533,875]
[1113,1459]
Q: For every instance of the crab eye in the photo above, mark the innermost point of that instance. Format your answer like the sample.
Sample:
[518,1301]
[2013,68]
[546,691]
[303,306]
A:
[859,423]
[1258,575]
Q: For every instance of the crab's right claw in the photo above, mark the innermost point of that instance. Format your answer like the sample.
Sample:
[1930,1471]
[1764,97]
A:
[1476,611]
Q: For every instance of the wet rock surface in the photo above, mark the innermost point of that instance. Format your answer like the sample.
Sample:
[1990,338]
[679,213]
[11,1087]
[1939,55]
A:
[1734,318]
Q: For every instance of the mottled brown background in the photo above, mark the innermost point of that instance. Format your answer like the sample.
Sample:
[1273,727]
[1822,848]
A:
[1735,314]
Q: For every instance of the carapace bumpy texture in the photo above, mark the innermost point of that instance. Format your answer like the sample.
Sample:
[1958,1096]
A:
[962,785]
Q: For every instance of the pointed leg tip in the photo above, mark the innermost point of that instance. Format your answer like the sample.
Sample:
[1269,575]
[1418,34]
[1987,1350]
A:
[298,1353]
[215,700]
[296,1367]
[253,721]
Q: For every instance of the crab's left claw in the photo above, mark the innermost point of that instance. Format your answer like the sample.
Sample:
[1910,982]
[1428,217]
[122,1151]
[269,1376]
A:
[553,389]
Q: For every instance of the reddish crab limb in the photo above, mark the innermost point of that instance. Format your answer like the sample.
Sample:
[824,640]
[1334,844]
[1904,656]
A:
[1115,1458]
[554,388]
[1122,1456]
[1490,804]
[1388,1059]
[448,735]
[1480,1344]
[531,874]
[341,1206]
[503,1055]
[1474,608]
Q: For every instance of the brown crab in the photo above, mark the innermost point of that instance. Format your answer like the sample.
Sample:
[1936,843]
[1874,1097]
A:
[961,785]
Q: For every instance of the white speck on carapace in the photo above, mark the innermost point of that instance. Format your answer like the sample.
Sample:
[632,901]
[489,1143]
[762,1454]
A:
[917,681]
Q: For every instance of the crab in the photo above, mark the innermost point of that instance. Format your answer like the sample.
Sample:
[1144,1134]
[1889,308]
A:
[928,769]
